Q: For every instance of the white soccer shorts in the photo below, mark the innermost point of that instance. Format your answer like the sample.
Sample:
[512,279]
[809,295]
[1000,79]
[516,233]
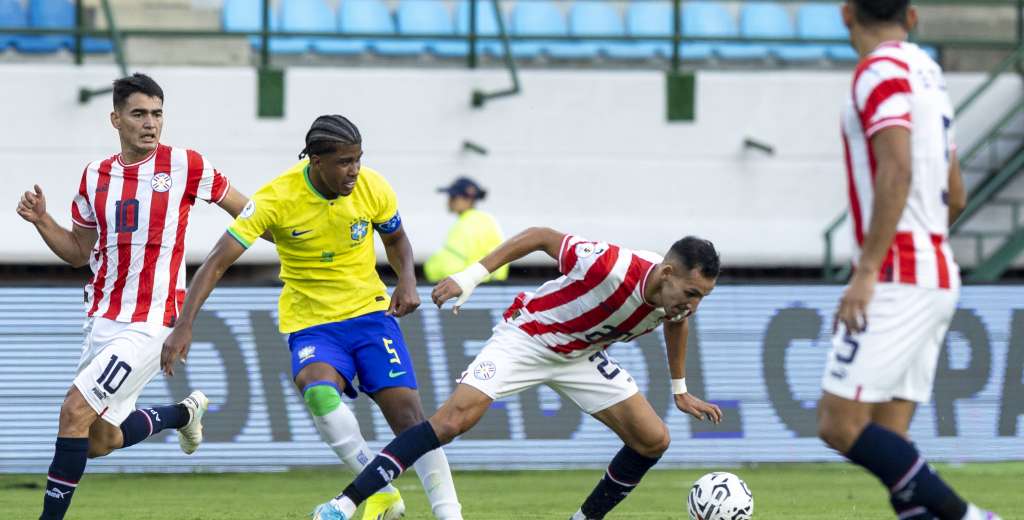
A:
[512,361]
[118,360]
[895,357]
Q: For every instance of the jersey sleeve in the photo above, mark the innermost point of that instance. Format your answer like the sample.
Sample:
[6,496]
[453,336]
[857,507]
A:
[258,215]
[385,217]
[882,93]
[82,213]
[213,185]
[578,256]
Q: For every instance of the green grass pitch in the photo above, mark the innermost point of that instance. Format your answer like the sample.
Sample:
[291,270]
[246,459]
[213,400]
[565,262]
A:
[786,491]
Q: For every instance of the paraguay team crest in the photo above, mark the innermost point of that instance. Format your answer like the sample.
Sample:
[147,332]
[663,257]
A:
[359,228]
[161,182]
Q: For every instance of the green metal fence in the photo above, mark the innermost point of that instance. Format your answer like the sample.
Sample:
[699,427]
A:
[986,189]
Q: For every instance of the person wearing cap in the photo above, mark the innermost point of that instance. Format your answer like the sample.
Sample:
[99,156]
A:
[472,237]
[341,322]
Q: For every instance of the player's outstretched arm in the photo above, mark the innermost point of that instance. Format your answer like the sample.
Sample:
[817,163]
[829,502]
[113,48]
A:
[176,345]
[675,339]
[404,299]
[891,147]
[73,246]
[461,285]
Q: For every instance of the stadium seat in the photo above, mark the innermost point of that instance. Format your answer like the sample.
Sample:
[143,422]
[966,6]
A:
[12,14]
[544,18]
[302,16]
[247,15]
[427,17]
[596,18]
[824,21]
[648,19]
[486,25]
[55,14]
[362,16]
[374,16]
[770,20]
[709,19]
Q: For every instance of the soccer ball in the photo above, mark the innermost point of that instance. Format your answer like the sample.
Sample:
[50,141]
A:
[720,496]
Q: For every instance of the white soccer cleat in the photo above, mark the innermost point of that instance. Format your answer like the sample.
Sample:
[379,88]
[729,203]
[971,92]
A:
[190,436]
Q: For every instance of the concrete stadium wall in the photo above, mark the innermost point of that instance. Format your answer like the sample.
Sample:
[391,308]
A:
[583,151]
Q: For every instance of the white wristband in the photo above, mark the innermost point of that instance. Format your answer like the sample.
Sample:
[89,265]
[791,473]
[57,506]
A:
[468,279]
[679,386]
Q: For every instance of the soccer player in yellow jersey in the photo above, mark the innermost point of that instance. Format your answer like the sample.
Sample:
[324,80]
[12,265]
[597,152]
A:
[340,322]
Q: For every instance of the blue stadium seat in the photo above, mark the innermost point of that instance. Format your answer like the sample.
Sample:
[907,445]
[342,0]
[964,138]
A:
[650,18]
[596,18]
[770,20]
[55,14]
[486,25]
[247,15]
[302,16]
[361,16]
[824,21]
[374,16]
[540,18]
[427,17]
[709,19]
[12,14]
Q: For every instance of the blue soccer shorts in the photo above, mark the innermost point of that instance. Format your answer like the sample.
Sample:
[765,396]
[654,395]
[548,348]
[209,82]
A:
[368,347]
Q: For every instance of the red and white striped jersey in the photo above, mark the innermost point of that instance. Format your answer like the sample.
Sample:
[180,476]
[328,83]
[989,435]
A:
[141,213]
[898,84]
[598,300]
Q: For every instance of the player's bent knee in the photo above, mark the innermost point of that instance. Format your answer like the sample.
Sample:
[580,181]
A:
[448,426]
[322,399]
[76,416]
[836,433]
[656,444]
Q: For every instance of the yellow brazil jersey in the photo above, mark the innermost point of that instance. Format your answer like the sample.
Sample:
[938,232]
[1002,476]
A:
[328,264]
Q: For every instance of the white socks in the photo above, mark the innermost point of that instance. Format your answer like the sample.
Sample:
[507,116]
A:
[436,476]
[579,515]
[340,430]
[976,513]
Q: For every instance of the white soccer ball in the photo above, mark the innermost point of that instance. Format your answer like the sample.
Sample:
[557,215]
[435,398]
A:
[720,496]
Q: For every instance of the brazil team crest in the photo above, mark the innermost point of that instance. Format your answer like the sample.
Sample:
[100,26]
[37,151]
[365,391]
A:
[358,229]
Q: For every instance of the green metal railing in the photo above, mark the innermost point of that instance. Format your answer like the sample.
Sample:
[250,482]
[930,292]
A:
[985,190]
[677,38]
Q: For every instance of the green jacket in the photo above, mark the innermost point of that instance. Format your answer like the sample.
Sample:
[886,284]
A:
[474,235]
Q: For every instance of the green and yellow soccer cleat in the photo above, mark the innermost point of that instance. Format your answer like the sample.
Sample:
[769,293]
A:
[384,506]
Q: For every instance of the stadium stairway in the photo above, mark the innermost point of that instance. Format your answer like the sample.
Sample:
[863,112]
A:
[990,232]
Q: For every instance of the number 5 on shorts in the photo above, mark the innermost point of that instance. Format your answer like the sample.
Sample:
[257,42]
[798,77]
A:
[116,370]
[395,360]
[848,356]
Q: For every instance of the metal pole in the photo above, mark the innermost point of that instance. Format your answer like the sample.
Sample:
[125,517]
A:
[676,33]
[115,37]
[78,33]
[471,57]
[264,37]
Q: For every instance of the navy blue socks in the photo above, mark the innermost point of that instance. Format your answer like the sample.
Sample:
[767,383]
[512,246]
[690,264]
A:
[146,422]
[395,458]
[910,480]
[65,471]
[623,474]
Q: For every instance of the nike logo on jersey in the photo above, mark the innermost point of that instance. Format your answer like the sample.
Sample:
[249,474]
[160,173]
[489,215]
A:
[394,374]
[296,233]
